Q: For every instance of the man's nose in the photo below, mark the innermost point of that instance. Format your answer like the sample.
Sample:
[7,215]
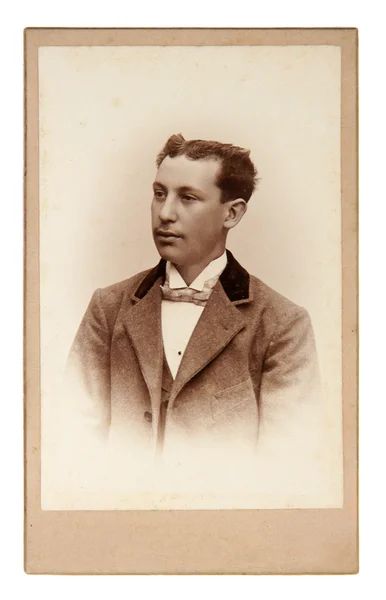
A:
[168,210]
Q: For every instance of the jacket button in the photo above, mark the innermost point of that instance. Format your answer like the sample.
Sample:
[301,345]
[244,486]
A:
[148,416]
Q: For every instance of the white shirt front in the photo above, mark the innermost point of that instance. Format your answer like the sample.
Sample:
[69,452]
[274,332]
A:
[180,318]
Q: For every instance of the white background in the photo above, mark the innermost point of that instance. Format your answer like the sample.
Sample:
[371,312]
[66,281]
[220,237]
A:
[372,241]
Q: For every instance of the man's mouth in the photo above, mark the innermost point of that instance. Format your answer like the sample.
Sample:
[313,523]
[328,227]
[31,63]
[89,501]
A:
[166,234]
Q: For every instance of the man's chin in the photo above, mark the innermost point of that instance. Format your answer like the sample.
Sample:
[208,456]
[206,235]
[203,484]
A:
[169,253]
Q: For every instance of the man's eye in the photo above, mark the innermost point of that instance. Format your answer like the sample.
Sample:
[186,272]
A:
[159,194]
[188,198]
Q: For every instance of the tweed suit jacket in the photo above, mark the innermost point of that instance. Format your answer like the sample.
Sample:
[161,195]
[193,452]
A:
[248,383]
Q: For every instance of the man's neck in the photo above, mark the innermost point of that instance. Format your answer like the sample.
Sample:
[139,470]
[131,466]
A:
[190,272]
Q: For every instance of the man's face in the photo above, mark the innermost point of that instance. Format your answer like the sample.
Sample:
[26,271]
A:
[187,212]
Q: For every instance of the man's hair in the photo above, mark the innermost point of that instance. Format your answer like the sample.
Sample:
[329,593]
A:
[237,177]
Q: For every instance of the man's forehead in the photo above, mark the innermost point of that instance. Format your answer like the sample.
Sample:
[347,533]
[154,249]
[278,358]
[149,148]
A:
[183,171]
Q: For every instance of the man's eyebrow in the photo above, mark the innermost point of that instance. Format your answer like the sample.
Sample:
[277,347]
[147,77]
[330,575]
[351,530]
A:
[183,189]
[186,188]
[159,185]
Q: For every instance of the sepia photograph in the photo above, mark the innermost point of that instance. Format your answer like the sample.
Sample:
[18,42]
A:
[190,276]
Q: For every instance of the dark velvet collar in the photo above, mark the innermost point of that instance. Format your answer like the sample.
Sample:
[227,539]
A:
[234,279]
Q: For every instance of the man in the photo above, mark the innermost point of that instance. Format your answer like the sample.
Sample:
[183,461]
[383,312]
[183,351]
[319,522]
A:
[195,363]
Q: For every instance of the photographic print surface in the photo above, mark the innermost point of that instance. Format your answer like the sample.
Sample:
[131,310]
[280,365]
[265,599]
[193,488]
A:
[104,115]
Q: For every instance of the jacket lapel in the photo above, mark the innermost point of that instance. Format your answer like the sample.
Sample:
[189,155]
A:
[143,326]
[220,321]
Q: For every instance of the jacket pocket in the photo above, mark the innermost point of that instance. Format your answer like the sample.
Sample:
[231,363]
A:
[233,398]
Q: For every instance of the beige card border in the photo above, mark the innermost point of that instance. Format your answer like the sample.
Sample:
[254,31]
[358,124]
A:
[203,542]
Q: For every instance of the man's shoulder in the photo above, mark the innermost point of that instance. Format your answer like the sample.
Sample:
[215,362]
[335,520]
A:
[124,287]
[117,295]
[278,305]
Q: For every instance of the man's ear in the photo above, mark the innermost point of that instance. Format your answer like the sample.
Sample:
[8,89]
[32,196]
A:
[236,209]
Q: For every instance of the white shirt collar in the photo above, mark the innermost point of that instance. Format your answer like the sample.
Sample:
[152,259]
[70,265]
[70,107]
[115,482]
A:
[216,267]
